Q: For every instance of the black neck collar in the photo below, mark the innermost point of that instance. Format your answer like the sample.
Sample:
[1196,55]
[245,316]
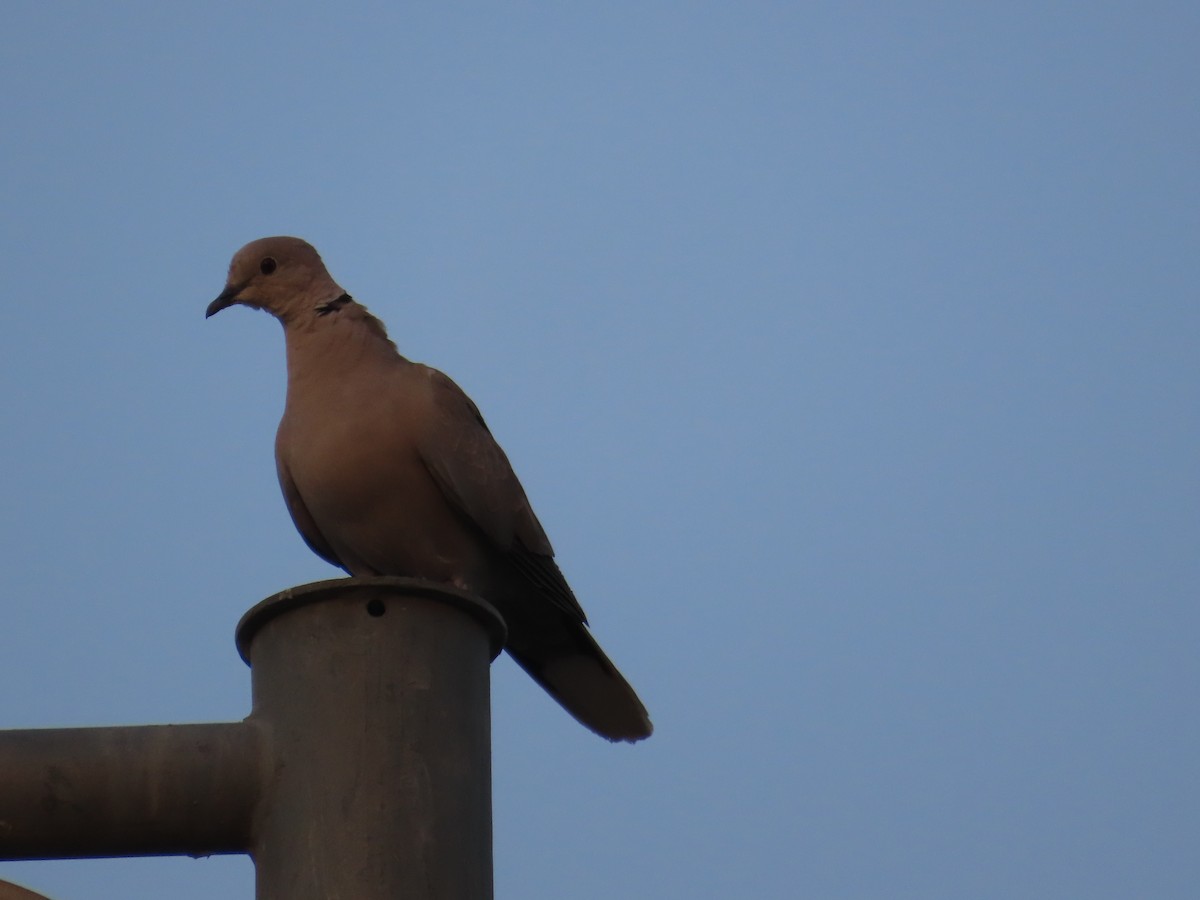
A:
[334,305]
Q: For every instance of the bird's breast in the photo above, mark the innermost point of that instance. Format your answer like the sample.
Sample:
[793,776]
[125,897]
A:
[355,459]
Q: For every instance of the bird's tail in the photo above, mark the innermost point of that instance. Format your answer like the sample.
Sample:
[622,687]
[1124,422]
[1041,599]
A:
[585,682]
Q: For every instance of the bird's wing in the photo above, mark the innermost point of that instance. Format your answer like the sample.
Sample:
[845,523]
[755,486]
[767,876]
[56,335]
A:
[475,476]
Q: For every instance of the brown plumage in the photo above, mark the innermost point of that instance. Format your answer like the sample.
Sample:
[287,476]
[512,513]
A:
[388,468]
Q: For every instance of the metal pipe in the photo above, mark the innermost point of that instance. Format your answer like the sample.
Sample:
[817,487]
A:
[375,693]
[127,791]
[364,769]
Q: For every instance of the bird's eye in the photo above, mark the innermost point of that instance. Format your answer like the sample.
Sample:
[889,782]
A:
[267,266]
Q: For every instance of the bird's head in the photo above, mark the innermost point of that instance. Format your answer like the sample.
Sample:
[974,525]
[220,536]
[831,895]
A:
[283,275]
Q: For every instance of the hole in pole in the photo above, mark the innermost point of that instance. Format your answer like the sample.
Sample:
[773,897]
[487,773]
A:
[375,608]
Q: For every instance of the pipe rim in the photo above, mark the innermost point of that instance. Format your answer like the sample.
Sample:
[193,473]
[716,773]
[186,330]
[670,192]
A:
[351,589]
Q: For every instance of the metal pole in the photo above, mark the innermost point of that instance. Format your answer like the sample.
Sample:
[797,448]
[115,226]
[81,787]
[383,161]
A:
[364,769]
[139,791]
[375,694]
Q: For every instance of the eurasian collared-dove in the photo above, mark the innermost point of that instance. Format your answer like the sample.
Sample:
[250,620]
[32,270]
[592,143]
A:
[388,469]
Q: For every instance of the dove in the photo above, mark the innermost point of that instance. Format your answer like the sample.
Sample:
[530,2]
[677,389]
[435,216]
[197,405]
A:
[388,468]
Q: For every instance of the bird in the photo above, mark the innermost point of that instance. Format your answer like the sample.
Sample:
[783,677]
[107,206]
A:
[388,468]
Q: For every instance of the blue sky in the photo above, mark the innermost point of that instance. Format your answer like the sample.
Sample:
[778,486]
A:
[848,353]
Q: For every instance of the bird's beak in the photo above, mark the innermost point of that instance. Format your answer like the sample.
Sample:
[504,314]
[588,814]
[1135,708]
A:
[226,299]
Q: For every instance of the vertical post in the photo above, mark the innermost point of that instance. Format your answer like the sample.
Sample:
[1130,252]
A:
[373,695]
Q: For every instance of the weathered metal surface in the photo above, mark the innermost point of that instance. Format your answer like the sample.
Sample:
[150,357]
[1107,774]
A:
[372,592]
[364,769]
[130,791]
[377,697]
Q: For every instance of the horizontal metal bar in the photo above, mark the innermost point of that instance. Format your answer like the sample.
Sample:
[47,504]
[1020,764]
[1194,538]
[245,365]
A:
[128,791]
